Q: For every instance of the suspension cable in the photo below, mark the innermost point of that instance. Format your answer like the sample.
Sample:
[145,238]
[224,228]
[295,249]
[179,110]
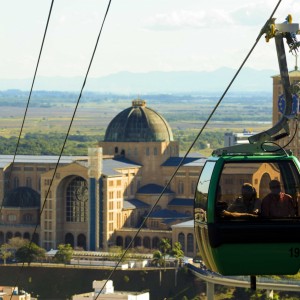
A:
[28,101]
[188,151]
[21,130]
[67,134]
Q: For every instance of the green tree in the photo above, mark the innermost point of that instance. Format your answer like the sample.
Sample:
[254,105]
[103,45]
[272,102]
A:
[177,252]
[17,242]
[64,253]
[158,259]
[164,247]
[29,253]
[5,252]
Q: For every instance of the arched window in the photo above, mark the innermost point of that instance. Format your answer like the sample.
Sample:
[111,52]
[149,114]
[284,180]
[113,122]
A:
[137,242]
[36,238]
[190,242]
[9,235]
[69,239]
[155,243]
[119,241]
[76,204]
[81,241]
[146,242]
[1,237]
[127,241]
[181,240]
[26,236]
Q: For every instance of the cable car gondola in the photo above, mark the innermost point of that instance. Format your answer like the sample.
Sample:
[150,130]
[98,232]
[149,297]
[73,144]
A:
[242,243]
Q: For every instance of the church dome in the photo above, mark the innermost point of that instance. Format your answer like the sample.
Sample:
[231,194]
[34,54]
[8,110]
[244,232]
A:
[138,124]
[22,197]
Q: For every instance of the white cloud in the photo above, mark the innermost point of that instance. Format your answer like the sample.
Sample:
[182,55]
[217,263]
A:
[186,19]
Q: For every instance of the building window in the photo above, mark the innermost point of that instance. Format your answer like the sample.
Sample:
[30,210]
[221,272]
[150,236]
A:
[180,188]
[111,195]
[111,216]
[76,204]
[193,187]
[47,181]
[12,218]
[40,169]
[29,182]
[110,205]
[28,168]
[155,151]
[27,218]
[147,151]
[16,182]
[181,240]
[190,243]
[119,194]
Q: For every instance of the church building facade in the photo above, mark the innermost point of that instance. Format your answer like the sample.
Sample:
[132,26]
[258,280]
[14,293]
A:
[100,200]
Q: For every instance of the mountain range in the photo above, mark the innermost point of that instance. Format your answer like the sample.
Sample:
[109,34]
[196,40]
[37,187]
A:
[154,82]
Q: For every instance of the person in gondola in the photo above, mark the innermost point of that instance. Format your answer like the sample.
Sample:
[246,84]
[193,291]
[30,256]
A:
[277,204]
[245,206]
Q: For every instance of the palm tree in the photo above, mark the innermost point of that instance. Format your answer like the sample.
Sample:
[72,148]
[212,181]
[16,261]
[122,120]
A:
[165,247]
[158,259]
[177,252]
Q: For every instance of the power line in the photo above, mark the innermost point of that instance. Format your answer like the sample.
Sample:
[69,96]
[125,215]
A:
[190,148]
[69,128]
[29,98]
[22,126]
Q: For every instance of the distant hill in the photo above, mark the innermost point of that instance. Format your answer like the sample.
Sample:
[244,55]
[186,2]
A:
[153,82]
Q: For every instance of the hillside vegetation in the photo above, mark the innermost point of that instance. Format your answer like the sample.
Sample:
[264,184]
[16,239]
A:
[49,116]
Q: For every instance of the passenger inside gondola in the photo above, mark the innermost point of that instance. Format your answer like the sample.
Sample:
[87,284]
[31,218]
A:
[277,204]
[247,205]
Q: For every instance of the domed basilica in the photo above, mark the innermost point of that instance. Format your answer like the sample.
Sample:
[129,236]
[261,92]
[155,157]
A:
[100,200]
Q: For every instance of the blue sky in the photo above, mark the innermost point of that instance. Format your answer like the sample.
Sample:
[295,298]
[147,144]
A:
[139,35]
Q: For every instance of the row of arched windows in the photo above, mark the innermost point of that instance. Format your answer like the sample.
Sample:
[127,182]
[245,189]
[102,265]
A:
[80,240]
[5,237]
[186,241]
[145,242]
[188,244]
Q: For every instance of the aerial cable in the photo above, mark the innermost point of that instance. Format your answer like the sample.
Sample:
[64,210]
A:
[28,100]
[190,148]
[68,131]
[22,126]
